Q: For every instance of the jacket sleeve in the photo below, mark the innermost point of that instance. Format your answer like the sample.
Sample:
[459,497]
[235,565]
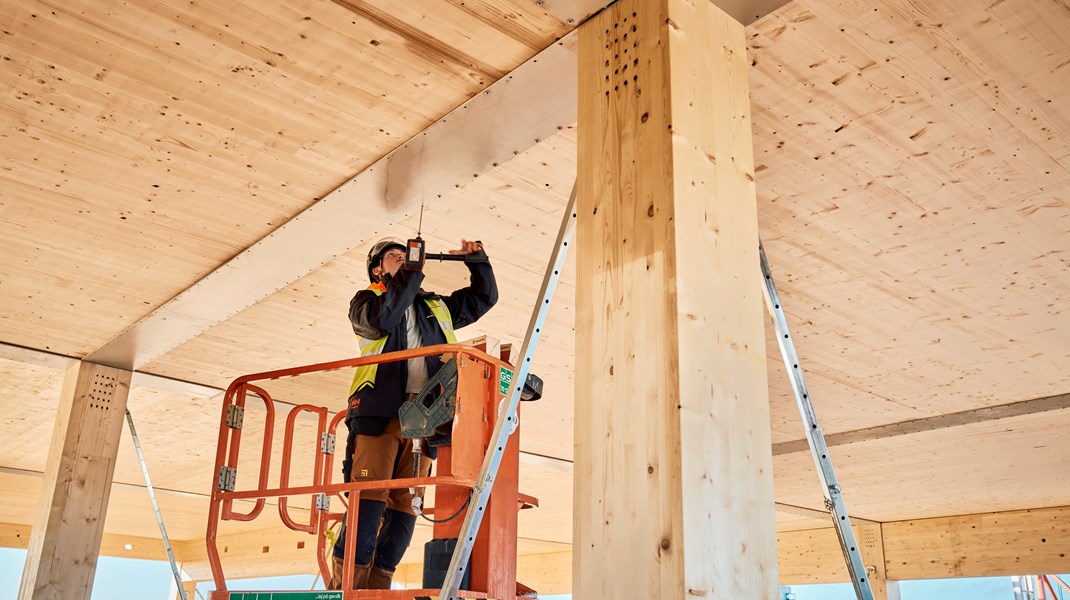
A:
[469,304]
[374,315]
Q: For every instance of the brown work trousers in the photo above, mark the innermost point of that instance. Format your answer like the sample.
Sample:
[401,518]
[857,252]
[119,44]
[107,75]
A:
[387,456]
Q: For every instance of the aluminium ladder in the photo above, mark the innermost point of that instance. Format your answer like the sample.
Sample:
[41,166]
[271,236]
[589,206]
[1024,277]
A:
[156,507]
[504,427]
[485,481]
[829,485]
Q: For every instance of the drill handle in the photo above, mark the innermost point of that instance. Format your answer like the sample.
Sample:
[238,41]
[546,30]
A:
[468,258]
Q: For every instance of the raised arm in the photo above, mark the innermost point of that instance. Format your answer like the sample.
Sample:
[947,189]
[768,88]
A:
[470,303]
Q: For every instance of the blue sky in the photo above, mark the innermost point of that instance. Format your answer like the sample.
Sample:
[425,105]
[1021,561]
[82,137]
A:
[116,577]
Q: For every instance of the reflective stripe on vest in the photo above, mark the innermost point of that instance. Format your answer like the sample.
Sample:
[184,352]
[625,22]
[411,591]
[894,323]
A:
[442,315]
[364,376]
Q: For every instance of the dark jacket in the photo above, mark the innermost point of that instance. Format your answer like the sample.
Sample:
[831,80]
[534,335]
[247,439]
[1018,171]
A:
[375,315]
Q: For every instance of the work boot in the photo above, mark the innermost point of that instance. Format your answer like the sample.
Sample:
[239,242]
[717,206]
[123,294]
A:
[360,576]
[336,574]
[380,578]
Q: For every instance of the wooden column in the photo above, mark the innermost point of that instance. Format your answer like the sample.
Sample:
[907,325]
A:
[674,478]
[871,540]
[65,541]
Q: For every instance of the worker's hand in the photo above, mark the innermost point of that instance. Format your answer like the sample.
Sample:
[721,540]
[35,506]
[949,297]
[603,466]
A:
[468,247]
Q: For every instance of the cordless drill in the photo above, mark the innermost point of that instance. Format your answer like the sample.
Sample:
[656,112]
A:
[416,255]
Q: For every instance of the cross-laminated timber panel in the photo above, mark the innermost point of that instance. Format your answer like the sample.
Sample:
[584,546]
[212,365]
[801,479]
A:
[912,181]
[982,545]
[120,114]
[987,466]
[1010,543]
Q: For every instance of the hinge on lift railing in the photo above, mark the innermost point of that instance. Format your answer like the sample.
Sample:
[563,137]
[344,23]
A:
[327,443]
[235,416]
[323,502]
[228,476]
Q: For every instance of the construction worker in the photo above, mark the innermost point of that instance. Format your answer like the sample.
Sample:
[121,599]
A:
[393,314]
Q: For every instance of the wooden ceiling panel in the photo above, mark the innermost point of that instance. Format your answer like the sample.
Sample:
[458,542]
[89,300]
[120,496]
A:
[29,399]
[130,510]
[305,323]
[462,32]
[147,143]
[21,493]
[913,172]
[838,405]
[915,254]
[178,436]
[788,521]
[551,521]
[983,467]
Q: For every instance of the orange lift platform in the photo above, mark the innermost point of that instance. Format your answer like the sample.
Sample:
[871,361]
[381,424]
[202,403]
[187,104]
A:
[482,382]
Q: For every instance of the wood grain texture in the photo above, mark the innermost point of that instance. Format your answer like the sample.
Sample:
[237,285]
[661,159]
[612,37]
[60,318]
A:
[673,479]
[1030,541]
[810,556]
[912,180]
[977,415]
[993,466]
[69,524]
[30,401]
[870,538]
[724,420]
[168,136]
[119,546]
[922,172]
[981,545]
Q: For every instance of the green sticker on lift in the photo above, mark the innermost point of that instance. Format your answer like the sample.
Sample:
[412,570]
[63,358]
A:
[506,379]
[332,595]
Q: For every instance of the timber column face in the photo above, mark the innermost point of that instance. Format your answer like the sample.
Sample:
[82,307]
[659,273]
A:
[673,466]
[65,540]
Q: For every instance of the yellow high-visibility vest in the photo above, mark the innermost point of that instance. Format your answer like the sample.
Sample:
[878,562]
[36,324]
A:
[365,376]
